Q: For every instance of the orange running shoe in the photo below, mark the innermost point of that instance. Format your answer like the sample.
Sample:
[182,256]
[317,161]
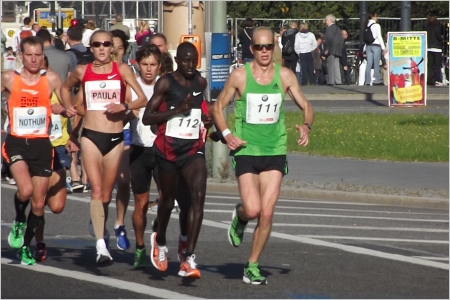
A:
[158,254]
[189,269]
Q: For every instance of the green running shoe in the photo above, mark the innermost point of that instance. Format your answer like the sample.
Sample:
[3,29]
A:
[140,259]
[15,238]
[27,256]
[236,229]
[252,275]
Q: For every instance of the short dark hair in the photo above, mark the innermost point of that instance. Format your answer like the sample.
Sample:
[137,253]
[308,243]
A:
[27,21]
[158,34]
[247,23]
[75,33]
[147,50]
[9,48]
[121,35]
[58,31]
[44,34]
[31,40]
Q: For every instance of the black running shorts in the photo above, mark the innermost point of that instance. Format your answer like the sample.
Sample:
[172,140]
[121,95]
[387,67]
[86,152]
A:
[256,164]
[142,164]
[37,153]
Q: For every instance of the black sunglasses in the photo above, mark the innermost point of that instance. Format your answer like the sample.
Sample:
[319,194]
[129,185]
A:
[98,44]
[259,47]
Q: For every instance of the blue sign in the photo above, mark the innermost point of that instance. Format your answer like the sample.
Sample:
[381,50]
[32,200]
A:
[45,14]
[219,63]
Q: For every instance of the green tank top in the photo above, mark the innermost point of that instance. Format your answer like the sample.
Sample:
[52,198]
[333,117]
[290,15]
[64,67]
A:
[260,117]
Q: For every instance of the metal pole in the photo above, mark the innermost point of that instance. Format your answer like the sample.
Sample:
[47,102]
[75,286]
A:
[220,151]
[362,20]
[59,16]
[405,14]
[82,9]
[52,12]
[160,16]
[189,17]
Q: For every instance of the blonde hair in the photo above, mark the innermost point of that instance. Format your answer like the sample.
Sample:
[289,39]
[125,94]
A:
[293,24]
[303,26]
[90,25]
[143,25]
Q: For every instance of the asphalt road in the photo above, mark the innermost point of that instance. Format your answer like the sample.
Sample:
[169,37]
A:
[318,249]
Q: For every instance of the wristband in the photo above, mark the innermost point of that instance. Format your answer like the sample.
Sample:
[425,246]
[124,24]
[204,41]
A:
[226,132]
[308,125]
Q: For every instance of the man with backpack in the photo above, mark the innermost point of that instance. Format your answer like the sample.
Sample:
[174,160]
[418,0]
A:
[288,53]
[375,48]
[22,33]
[78,52]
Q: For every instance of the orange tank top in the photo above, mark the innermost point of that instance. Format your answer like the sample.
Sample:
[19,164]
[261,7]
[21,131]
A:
[28,107]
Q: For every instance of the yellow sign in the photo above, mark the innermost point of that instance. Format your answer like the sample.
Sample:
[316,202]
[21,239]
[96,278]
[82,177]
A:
[67,14]
[10,33]
[408,94]
[406,46]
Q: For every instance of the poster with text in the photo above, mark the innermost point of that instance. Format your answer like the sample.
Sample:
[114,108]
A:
[220,61]
[407,68]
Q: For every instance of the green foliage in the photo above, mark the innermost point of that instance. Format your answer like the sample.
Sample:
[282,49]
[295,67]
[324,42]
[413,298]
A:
[319,9]
[393,137]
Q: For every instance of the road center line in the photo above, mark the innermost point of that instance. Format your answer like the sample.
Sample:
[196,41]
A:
[104,280]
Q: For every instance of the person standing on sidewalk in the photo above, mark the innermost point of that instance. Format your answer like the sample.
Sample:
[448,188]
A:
[333,50]
[434,52]
[258,141]
[288,51]
[305,44]
[244,37]
[374,51]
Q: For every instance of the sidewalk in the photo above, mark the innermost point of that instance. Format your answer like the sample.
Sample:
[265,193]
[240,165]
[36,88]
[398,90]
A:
[354,92]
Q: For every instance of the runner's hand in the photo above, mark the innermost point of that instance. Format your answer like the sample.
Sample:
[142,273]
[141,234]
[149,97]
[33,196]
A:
[233,142]
[72,145]
[185,104]
[207,121]
[114,108]
[304,131]
[57,109]
[71,111]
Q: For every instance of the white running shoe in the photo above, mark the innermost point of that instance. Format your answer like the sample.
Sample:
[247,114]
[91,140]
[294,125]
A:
[103,255]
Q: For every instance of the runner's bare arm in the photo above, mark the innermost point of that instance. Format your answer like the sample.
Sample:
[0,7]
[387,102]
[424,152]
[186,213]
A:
[225,96]
[55,85]
[66,88]
[79,105]
[234,84]
[290,85]
[7,78]
[152,117]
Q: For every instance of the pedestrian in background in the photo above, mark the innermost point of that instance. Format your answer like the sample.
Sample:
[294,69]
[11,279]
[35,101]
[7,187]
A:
[60,40]
[245,39]
[318,74]
[374,51]
[345,70]
[333,50]
[143,31]
[305,44]
[288,40]
[434,53]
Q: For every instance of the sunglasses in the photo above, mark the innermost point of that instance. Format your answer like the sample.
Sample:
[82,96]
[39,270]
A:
[98,44]
[259,47]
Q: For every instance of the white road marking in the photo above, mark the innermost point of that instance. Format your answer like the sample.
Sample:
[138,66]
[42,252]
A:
[108,281]
[357,227]
[432,258]
[337,209]
[338,237]
[339,216]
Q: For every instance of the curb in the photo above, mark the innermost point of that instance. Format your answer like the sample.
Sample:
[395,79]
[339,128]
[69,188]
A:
[338,196]
[365,97]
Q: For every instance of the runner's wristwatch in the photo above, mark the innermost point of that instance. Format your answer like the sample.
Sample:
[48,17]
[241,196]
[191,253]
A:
[125,105]
[308,125]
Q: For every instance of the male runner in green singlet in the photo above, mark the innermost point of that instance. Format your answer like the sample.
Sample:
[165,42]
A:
[258,141]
